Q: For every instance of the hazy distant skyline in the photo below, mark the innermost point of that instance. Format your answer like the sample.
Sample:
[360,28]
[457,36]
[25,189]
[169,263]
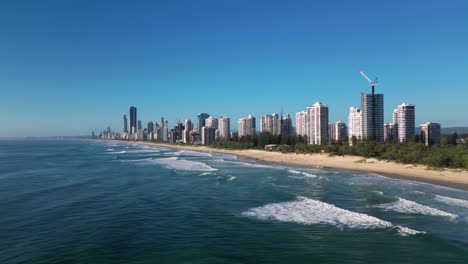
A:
[69,67]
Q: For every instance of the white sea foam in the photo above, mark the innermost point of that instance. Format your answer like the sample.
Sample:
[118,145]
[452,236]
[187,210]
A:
[231,178]
[305,174]
[194,153]
[207,173]
[135,160]
[116,152]
[451,201]
[410,207]
[180,164]
[404,231]
[308,211]
[108,150]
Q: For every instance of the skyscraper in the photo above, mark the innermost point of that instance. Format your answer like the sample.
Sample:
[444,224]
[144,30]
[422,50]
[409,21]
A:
[406,122]
[208,135]
[139,124]
[430,133]
[286,126]
[301,123]
[151,130]
[270,123]
[211,122]
[133,120]
[354,125]
[201,121]
[186,132]
[125,127]
[318,124]
[372,106]
[224,127]
[246,126]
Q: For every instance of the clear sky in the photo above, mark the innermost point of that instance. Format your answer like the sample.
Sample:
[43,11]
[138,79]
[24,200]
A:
[68,67]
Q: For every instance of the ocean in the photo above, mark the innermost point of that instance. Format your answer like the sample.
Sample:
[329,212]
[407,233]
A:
[84,201]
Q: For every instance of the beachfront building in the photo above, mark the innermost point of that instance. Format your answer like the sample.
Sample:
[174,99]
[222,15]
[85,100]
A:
[246,126]
[186,131]
[354,125]
[286,126]
[301,123]
[336,132]
[317,124]
[224,127]
[208,135]
[211,122]
[201,121]
[430,133]
[372,106]
[406,122]
[133,120]
[270,123]
[390,132]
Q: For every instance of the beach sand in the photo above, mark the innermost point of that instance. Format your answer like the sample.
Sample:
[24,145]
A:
[455,178]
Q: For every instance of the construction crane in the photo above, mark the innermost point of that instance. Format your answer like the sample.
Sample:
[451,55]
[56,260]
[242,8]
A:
[373,131]
[373,83]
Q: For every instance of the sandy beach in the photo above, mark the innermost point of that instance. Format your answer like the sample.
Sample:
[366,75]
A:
[455,178]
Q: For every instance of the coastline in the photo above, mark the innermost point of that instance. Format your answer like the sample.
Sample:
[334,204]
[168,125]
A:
[449,178]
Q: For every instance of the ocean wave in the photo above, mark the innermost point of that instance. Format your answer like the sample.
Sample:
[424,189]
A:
[116,152]
[410,207]
[109,150]
[193,153]
[305,174]
[308,211]
[185,165]
[207,173]
[135,160]
[451,201]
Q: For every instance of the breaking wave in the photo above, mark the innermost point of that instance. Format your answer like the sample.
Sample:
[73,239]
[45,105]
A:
[451,201]
[308,212]
[193,153]
[410,207]
[180,164]
[305,174]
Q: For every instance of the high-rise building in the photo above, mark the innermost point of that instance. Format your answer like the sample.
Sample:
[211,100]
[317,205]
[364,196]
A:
[208,135]
[430,133]
[406,122]
[336,132]
[340,131]
[166,131]
[318,124]
[201,121]
[125,126]
[150,130]
[246,126]
[133,120]
[372,106]
[301,123]
[354,125]
[186,132]
[286,125]
[390,132]
[211,122]
[270,123]
[224,127]
[139,124]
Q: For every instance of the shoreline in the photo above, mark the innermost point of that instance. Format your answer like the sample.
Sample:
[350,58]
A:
[452,178]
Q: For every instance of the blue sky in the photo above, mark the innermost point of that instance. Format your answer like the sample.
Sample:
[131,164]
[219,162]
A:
[68,67]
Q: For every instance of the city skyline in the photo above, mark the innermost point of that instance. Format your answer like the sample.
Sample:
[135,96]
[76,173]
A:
[231,59]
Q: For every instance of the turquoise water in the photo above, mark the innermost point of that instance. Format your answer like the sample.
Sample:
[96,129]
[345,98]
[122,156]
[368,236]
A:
[111,202]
